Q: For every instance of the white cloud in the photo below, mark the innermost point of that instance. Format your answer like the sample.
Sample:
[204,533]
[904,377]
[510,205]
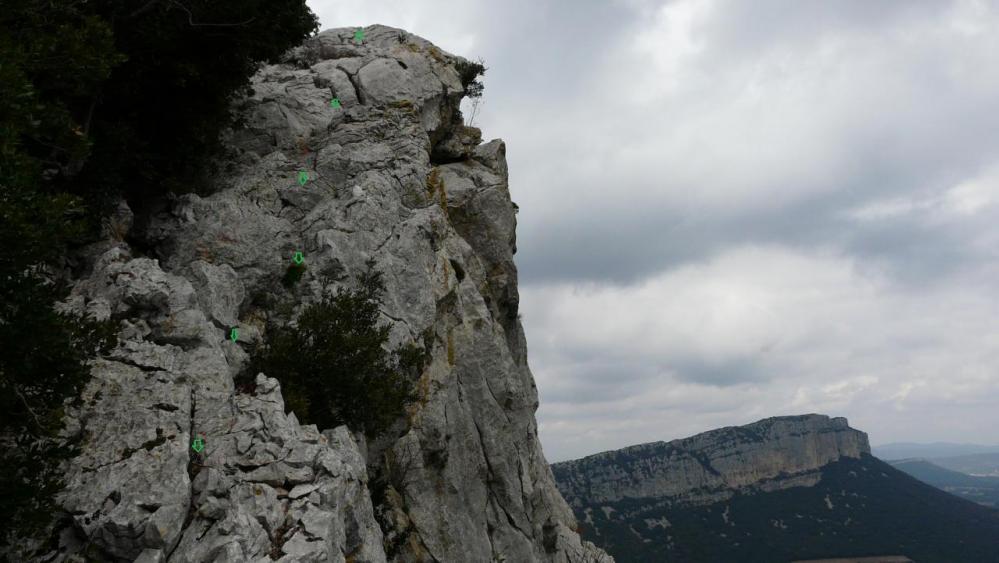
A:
[806,332]
[971,196]
[974,195]
[728,309]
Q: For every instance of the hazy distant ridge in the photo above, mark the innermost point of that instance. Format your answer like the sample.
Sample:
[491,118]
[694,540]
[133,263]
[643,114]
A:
[908,450]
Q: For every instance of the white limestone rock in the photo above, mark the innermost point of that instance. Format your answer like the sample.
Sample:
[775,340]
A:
[396,179]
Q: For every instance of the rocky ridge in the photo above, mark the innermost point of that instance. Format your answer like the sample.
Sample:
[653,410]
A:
[772,454]
[395,179]
[781,489]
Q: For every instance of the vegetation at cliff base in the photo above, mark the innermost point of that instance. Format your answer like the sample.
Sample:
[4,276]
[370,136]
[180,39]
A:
[98,99]
[42,353]
[333,364]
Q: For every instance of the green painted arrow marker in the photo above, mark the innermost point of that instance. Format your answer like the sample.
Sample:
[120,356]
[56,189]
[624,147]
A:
[234,334]
[335,103]
[303,177]
[198,445]
[359,35]
[298,258]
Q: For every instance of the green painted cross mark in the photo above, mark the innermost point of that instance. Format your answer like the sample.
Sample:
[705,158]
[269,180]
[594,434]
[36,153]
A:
[234,334]
[359,35]
[298,258]
[335,103]
[198,445]
[303,177]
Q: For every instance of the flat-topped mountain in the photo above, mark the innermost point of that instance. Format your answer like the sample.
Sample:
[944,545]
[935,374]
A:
[770,454]
[781,489]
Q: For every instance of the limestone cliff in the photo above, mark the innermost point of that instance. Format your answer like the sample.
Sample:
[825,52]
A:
[781,489]
[389,175]
[771,454]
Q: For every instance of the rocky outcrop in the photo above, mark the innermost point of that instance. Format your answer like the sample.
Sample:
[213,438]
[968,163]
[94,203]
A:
[771,454]
[389,176]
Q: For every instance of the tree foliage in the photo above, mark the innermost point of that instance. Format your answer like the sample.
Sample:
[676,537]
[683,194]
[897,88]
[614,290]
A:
[98,99]
[131,96]
[164,107]
[42,351]
[333,365]
[469,73]
[42,354]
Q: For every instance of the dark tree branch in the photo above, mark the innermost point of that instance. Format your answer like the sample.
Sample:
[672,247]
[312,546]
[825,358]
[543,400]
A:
[148,6]
[24,401]
[90,115]
[190,18]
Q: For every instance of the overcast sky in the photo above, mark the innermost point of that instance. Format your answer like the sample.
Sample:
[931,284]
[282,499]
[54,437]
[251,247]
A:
[731,210]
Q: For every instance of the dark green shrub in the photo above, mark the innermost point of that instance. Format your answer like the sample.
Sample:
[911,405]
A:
[110,97]
[98,98]
[161,112]
[333,365]
[293,275]
[469,72]
[43,354]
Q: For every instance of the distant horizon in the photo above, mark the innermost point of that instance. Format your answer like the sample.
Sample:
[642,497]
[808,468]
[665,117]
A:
[936,444]
[873,446]
[729,210]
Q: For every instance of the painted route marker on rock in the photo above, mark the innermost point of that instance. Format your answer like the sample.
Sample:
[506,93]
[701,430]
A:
[359,36]
[198,445]
[335,103]
[303,177]
[234,334]
[298,258]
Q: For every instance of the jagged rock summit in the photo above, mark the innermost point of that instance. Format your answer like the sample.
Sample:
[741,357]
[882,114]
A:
[391,176]
[771,454]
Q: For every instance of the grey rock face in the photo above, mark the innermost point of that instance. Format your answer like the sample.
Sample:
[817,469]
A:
[771,454]
[393,177]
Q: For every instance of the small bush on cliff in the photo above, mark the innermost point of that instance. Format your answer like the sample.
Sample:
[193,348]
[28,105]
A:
[333,365]
[469,73]
[293,275]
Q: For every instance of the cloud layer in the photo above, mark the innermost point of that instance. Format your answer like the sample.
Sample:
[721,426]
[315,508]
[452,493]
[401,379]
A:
[732,210]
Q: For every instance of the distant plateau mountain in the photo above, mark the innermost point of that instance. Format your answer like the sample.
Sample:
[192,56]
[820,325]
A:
[781,489]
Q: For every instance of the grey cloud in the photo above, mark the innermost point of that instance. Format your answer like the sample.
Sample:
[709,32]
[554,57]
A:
[727,373]
[582,383]
[627,173]
[746,28]
[940,125]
